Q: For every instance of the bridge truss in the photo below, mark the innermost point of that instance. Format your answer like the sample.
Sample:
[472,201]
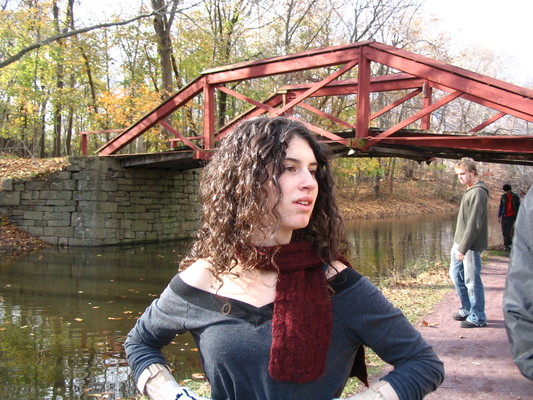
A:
[347,71]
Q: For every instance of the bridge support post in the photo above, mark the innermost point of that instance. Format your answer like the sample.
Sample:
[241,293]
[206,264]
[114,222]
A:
[363,97]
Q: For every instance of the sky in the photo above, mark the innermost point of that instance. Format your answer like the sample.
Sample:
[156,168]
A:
[501,26]
[504,27]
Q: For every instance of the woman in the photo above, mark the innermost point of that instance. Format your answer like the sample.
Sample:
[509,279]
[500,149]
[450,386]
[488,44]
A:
[275,309]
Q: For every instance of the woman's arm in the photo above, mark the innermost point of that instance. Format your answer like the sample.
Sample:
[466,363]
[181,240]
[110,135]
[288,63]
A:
[376,323]
[518,295]
[155,329]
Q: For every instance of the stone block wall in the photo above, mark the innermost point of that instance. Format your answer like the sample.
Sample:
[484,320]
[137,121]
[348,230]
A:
[96,202]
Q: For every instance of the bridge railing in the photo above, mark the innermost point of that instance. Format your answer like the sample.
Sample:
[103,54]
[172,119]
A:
[84,138]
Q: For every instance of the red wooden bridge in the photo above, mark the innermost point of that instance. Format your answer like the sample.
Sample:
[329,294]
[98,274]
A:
[430,84]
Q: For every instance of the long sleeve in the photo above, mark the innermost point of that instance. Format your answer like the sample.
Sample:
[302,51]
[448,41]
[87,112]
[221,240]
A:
[472,224]
[377,324]
[155,329]
[518,296]
[501,207]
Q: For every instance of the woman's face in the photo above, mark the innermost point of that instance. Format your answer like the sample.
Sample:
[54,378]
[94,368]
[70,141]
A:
[299,190]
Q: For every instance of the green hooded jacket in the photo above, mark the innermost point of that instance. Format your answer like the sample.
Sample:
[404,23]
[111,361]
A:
[472,229]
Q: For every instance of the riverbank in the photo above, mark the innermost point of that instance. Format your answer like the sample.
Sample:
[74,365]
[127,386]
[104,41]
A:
[407,199]
[13,240]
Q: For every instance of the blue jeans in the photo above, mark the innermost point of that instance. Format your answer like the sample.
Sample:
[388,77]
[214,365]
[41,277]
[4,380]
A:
[466,276]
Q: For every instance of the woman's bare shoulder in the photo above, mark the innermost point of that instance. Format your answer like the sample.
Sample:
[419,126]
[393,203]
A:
[335,267]
[198,275]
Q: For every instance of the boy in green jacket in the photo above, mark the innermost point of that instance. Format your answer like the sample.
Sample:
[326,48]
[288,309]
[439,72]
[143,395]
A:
[470,239]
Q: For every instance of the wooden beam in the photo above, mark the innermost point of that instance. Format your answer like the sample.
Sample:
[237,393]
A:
[425,123]
[493,90]
[395,103]
[363,97]
[153,117]
[489,121]
[518,144]
[326,115]
[181,137]
[209,117]
[316,87]
[319,58]
[416,117]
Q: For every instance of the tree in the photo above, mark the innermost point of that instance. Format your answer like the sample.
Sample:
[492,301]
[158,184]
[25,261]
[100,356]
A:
[105,76]
[163,20]
[9,59]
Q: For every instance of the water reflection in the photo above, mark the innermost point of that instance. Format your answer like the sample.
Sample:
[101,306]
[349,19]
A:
[386,246]
[64,313]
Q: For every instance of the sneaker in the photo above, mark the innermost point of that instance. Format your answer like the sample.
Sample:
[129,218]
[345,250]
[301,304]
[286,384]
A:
[468,324]
[458,317]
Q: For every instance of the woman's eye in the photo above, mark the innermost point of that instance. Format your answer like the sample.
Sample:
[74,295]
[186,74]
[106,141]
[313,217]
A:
[312,172]
[289,168]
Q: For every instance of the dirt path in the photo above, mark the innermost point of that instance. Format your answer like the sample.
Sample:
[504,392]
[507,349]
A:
[478,361]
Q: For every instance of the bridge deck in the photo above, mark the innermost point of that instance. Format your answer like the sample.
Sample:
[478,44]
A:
[184,158]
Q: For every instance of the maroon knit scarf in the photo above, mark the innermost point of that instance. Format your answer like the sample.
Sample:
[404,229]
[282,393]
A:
[302,320]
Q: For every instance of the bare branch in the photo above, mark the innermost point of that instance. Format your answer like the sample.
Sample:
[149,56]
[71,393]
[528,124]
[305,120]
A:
[64,35]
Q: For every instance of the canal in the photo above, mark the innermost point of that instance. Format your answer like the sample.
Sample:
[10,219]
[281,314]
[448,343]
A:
[65,312]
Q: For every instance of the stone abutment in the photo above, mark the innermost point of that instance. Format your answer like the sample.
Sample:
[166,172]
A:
[96,202]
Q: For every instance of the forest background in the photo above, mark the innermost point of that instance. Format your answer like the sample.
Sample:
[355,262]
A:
[63,72]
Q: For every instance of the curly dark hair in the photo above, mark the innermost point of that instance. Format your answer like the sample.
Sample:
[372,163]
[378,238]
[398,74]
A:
[234,195]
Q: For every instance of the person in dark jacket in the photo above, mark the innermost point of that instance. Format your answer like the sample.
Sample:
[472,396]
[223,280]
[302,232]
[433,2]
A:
[509,205]
[470,239]
[518,294]
[267,292]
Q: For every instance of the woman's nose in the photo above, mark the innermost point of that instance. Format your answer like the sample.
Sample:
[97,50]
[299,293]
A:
[309,180]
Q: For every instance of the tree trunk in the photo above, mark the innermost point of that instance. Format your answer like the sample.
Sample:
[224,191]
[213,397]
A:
[163,20]
[58,106]
[392,171]
[377,178]
[68,133]
[421,176]
[222,108]
[90,80]
[42,133]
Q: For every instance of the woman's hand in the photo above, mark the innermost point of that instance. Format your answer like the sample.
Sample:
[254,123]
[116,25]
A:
[157,383]
[381,390]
